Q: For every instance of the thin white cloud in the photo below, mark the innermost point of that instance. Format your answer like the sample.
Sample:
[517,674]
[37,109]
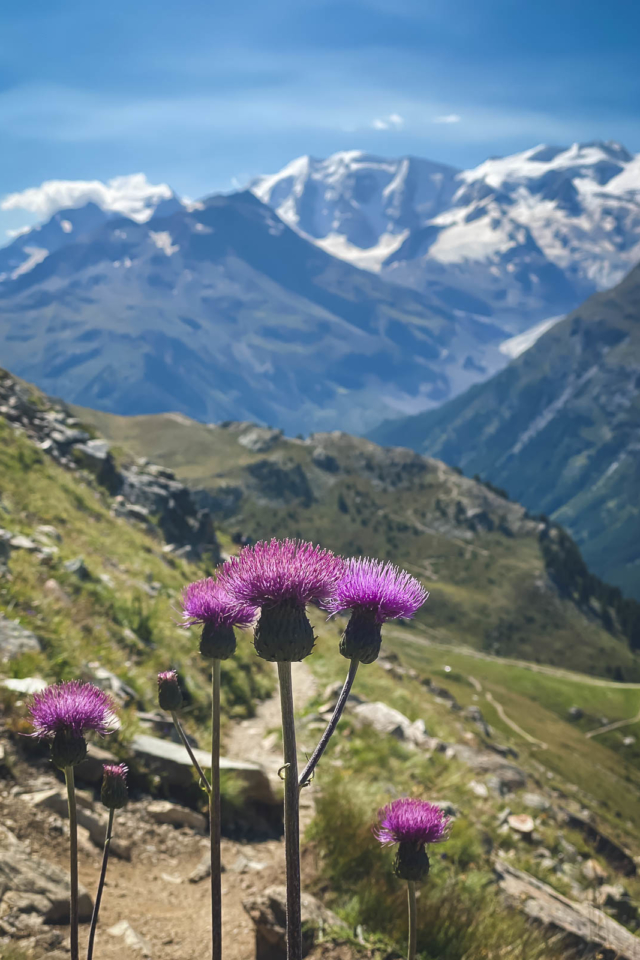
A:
[133,196]
[448,118]
[393,122]
[20,232]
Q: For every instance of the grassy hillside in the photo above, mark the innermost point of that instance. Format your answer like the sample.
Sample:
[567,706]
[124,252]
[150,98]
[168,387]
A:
[122,611]
[491,569]
[559,428]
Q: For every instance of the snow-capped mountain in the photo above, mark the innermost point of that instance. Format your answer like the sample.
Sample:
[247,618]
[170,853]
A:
[517,239]
[74,209]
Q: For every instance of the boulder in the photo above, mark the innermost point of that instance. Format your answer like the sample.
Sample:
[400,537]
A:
[613,852]
[78,568]
[616,899]
[26,685]
[172,762]
[131,939]
[112,684]
[584,923]
[162,811]
[90,770]
[95,824]
[29,885]
[535,801]
[502,777]
[521,823]
[593,872]
[386,720]
[16,639]
[268,912]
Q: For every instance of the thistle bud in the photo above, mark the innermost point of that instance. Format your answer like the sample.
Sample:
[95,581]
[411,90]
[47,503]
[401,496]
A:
[68,749]
[283,633]
[411,862]
[362,637]
[114,793]
[169,693]
[217,642]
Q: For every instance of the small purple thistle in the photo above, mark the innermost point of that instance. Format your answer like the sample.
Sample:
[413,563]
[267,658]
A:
[114,793]
[278,571]
[409,820]
[380,588]
[169,693]
[208,602]
[73,708]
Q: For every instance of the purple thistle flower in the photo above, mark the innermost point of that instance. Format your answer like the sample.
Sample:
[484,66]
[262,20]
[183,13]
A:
[413,821]
[278,571]
[208,602]
[114,793]
[169,693]
[379,588]
[72,708]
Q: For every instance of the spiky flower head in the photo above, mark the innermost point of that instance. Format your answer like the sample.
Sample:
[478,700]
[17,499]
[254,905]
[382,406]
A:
[64,712]
[374,592]
[282,570]
[409,820]
[114,793]
[73,707]
[169,693]
[412,824]
[281,577]
[208,602]
[381,588]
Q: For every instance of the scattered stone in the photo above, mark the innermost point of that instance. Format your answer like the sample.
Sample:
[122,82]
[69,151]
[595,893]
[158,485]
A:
[521,823]
[535,801]
[131,939]
[593,872]
[16,639]
[616,899]
[268,912]
[26,685]
[96,826]
[242,864]
[576,713]
[78,568]
[583,921]
[172,762]
[112,684]
[203,870]
[628,741]
[20,542]
[480,789]
[474,714]
[448,808]
[162,811]
[46,530]
[29,885]
[386,720]
[619,858]
[259,439]
[502,777]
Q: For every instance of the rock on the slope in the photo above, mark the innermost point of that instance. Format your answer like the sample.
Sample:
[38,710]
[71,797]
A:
[592,871]
[28,685]
[90,770]
[616,899]
[503,777]
[172,762]
[33,890]
[619,858]
[162,811]
[16,639]
[581,921]
[521,823]
[385,719]
[131,939]
[268,912]
[95,824]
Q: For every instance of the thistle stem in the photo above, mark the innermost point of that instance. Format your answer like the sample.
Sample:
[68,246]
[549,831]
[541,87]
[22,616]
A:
[215,816]
[73,861]
[413,924]
[307,773]
[184,738]
[291,814]
[103,874]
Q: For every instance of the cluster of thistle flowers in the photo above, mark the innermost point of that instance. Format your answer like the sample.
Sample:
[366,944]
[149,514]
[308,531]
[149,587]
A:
[269,586]
[63,714]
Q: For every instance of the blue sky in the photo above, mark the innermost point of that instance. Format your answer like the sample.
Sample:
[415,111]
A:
[204,95]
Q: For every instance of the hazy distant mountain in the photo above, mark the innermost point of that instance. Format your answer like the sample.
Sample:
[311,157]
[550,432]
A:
[518,239]
[221,311]
[559,428]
